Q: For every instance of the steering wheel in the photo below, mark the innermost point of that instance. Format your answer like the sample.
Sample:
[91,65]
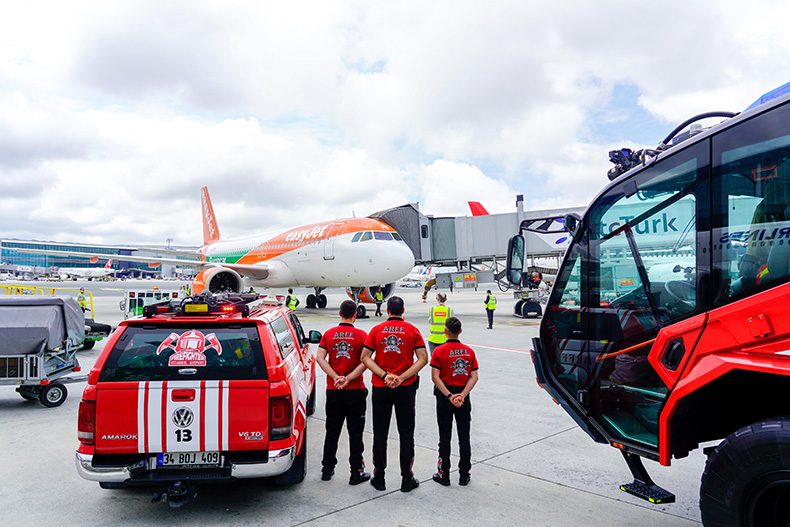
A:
[681,292]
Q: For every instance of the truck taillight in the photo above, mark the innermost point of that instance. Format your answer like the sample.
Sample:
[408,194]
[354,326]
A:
[86,422]
[279,418]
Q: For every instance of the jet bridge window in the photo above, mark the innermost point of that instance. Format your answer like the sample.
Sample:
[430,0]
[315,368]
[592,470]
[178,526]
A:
[384,236]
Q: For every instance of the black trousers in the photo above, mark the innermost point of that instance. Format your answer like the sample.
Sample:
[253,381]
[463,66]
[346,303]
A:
[378,309]
[490,314]
[349,406]
[402,399]
[445,413]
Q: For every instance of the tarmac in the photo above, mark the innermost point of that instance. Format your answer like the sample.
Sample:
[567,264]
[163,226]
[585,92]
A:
[532,466]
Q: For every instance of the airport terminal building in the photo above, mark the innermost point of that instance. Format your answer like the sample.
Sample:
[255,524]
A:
[14,261]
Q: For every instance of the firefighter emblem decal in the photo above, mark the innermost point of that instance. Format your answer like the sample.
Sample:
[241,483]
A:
[392,344]
[189,348]
[341,350]
[460,367]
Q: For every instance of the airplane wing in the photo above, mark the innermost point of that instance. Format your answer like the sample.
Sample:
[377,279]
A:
[258,271]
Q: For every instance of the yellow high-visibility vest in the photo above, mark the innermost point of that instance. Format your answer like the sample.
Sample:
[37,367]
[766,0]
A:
[292,302]
[379,296]
[491,305]
[439,315]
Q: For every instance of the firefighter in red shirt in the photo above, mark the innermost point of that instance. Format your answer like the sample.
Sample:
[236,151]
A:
[389,353]
[454,374]
[346,395]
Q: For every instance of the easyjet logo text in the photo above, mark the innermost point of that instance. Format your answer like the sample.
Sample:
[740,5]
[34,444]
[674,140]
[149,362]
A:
[306,234]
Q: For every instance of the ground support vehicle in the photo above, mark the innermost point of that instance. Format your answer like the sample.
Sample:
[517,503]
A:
[135,301]
[668,327]
[39,340]
[203,389]
[94,331]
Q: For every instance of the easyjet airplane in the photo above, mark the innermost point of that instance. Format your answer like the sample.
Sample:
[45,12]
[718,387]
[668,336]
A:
[357,253]
[86,272]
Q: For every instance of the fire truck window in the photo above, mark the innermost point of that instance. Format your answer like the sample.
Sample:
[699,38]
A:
[751,231]
[284,336]
[154,354]
[298,327]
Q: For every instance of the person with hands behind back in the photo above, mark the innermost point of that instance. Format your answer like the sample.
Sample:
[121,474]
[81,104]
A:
[389,354]
[346,395]
[454,374]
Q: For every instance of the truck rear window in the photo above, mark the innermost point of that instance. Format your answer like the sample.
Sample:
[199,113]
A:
[195,352]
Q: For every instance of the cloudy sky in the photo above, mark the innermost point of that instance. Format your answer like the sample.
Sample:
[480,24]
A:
[113,114]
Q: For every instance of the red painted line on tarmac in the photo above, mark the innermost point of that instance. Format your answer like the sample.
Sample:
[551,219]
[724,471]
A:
[511,350]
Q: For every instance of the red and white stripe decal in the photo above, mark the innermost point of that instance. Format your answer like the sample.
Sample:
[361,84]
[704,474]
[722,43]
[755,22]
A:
[158,432]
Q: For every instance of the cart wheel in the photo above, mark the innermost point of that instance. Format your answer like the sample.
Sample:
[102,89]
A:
[88,344]
[53,395]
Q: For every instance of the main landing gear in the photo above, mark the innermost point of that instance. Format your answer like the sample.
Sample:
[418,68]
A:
[317,300]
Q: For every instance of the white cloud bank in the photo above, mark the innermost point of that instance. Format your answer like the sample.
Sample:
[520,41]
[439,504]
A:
[115,114]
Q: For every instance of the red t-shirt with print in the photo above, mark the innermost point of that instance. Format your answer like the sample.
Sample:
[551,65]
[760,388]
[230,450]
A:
[393,343]
[343,345]
[455,362]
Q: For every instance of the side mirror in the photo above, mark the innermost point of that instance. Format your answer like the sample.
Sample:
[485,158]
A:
[515,259]
[572,224]
[313,337]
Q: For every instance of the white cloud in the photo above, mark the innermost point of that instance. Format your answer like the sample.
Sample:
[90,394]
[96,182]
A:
[116,113]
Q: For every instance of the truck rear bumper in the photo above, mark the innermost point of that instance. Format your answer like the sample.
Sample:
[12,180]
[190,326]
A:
[279,462]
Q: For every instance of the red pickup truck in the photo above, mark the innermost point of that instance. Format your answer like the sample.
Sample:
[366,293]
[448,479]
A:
[209,388]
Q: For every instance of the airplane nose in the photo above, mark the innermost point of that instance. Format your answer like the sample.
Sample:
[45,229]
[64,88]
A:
[402,260]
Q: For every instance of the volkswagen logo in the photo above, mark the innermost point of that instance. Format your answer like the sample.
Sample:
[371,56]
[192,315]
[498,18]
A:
[183,417]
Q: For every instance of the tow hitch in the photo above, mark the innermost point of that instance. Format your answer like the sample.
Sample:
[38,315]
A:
[643,486]
[176,495]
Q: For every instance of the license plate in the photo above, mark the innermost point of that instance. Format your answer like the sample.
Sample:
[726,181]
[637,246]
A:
[188,459]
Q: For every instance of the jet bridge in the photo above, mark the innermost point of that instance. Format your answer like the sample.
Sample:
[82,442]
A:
[475,242]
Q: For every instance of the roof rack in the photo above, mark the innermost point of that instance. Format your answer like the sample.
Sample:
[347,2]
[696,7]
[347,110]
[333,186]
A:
[209,304]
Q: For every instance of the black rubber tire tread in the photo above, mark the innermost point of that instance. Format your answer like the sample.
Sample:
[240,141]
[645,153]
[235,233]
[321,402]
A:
[42,395]
[739,460]
[311,400]
[298,470]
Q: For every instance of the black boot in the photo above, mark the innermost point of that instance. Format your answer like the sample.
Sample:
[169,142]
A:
[409,484]
[378,482]
[442,479]
[326,475]
[358,476]
[464,479]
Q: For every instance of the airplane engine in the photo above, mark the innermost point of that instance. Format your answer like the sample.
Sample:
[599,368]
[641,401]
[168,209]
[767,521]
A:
[366,293]
[217,280]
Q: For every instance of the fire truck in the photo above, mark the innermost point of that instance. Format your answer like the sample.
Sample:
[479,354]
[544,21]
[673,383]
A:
[668,328]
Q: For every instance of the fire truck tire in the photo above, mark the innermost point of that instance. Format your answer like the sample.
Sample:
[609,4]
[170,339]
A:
[53,395]
[746,482]
[88,344]
[311,401]
[298,470]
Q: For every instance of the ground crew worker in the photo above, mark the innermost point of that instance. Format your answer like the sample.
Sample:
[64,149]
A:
[454,374]
[389,353]
[378,296]
[437,316]
[188,290]
[346,395]
[291,301]
[82,300]
[490,303]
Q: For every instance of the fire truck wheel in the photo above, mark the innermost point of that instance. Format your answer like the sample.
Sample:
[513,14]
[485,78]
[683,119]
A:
[298,470]
[88,344]
[53,395]
[311,401]
[746,481]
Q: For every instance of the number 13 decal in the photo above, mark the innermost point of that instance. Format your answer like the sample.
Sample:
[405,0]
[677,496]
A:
[184,436]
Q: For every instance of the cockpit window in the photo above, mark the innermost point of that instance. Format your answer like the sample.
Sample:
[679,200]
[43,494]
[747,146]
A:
[396,236]
[384,236]
[367,236]
[356,237]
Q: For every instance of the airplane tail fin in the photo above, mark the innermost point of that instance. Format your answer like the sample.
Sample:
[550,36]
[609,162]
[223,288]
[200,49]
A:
[477,208]
[108,265]
[210,229]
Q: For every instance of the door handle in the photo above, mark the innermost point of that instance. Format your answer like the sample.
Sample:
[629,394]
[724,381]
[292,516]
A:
[183,396]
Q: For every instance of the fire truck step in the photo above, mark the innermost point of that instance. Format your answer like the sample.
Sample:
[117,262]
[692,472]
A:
[652,493]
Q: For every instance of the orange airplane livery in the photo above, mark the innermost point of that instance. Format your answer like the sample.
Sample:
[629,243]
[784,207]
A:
[357,253]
